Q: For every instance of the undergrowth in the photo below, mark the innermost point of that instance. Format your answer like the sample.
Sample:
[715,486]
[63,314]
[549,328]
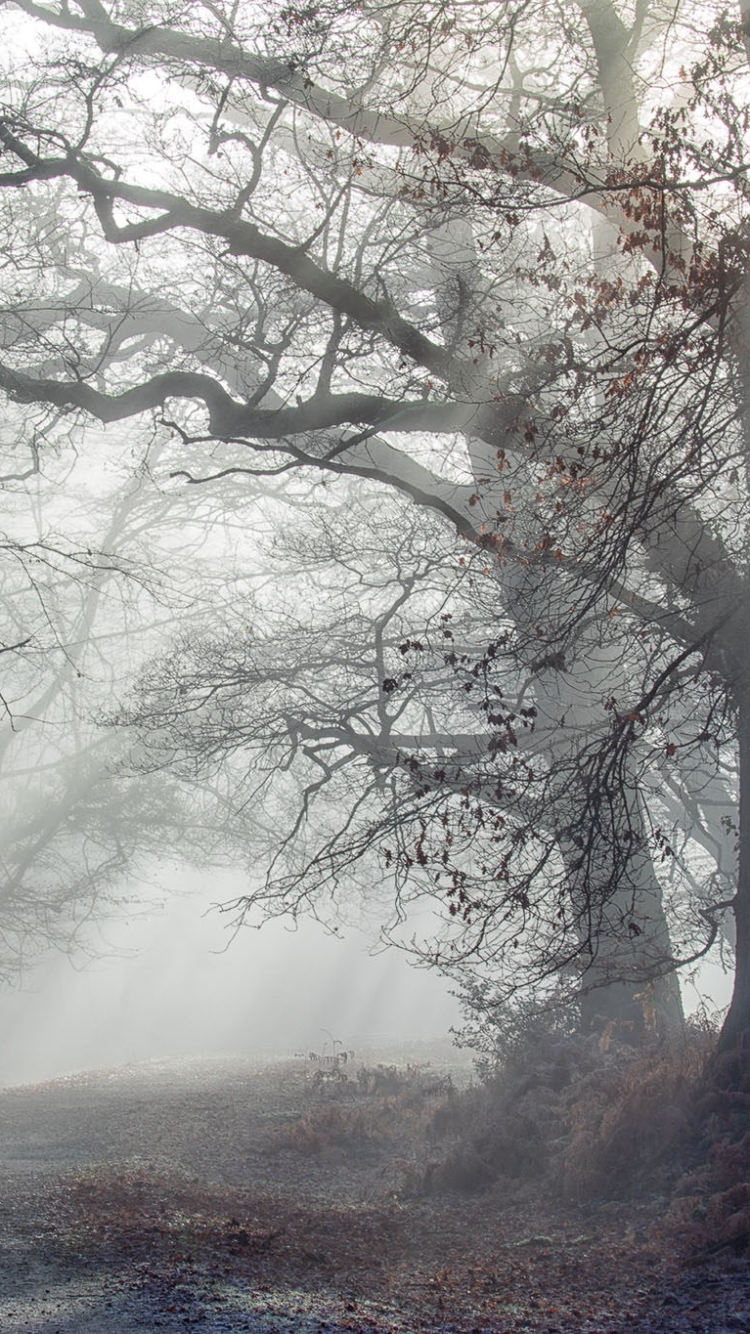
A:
[583,1120]
[589,1119]
[372,1107]
[711,1205]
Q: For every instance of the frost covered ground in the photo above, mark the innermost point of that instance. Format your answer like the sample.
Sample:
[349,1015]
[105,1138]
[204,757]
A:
[246,1196]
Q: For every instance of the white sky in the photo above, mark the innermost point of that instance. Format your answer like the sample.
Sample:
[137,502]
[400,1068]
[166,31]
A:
[272,991]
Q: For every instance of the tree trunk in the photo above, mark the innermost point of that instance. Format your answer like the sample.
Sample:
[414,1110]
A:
[624,988]
[625,980]
[737,1023]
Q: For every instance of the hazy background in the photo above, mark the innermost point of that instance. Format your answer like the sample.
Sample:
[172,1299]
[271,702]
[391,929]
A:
[166,989]
[172,984]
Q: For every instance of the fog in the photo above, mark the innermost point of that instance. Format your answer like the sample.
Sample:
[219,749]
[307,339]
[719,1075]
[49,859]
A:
[169,983]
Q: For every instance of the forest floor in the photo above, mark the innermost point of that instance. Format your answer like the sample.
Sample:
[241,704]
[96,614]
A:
[227,1196]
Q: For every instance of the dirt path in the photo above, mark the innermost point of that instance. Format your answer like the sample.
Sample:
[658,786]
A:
[248,1197]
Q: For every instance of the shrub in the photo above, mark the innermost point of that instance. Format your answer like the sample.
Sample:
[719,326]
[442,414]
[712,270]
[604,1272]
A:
[591,1118]
[711,1209]
[632,1118]
[379,1106]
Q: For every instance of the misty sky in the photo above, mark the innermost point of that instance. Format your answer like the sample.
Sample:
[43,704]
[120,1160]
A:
[179,994]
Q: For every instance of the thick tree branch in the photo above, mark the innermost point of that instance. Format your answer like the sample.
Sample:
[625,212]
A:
[229,419]
[243,238]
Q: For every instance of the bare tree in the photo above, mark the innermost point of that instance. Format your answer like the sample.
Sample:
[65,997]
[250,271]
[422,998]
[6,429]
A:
[365,716]
[86,591]
[488,258]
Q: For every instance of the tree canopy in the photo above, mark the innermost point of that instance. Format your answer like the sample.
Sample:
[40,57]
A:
[479,272]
